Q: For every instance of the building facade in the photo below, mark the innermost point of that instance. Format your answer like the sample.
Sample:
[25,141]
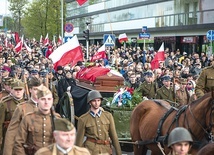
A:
[180,24]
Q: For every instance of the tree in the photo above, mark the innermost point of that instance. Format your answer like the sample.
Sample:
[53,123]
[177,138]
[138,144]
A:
[42,17]
[8,23]
[17,7]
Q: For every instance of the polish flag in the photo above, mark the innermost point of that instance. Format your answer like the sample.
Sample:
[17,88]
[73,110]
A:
[46,41]
[17,39]
[101,54]
[68,53]
[122,37]
[41,39]
[27,47]
[18,47]
[81,2]
[6,42]
[158,58]
[59,42]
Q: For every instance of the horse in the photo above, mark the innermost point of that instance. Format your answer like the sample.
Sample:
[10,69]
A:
[207,149]
[151,123]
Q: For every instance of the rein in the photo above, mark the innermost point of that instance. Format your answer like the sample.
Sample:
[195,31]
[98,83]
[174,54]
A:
[210,134]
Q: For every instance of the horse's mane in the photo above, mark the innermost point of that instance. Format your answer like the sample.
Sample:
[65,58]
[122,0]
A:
[207,95]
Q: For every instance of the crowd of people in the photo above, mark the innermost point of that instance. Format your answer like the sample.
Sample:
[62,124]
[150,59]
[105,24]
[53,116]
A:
[30,86]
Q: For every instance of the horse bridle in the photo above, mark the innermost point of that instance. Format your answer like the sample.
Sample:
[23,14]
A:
[211,124]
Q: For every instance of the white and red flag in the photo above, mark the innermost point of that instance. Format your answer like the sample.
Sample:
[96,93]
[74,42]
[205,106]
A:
[101,54]
[41,39]
[59,42]
[81,2]
[6,42]
[159,56]
[123,38]
[46,41]
[68,53]
[27,47]
[18,47]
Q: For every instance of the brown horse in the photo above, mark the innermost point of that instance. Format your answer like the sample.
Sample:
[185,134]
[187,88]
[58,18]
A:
[207,149]
[145,128]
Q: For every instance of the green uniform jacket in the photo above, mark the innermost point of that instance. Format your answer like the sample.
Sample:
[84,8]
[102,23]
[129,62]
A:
[166,94]
[100,128]
[21,110]
[148,90]
[35,130]
[7,107]
[205,81]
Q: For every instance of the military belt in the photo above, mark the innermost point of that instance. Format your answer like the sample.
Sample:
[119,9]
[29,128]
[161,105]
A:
[102,142]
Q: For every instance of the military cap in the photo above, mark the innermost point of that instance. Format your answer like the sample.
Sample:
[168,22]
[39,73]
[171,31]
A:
[6,68]
[183,81]
[43,91]
[7,81]
[34,71]
[17,84]
[148,73]
[34,82]
[166,78]
[62,124]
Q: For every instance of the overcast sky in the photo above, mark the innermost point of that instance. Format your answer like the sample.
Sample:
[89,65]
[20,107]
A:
[4,7]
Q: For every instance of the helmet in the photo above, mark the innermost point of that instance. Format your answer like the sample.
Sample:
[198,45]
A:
[179,134]
[93,94]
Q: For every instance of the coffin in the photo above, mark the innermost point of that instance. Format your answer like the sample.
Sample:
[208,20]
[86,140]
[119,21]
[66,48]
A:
[104,83]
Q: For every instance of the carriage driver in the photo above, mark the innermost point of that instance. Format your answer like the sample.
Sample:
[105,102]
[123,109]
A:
[98,127]
[179,141]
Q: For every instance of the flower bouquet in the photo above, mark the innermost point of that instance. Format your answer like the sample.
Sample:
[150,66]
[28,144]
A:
[125,97]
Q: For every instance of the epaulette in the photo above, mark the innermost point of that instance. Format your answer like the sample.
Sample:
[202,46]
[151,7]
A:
[29,113]
[25,102]
[84,115]
[6,98]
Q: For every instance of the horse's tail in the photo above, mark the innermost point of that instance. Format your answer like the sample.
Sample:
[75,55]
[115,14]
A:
[137,114]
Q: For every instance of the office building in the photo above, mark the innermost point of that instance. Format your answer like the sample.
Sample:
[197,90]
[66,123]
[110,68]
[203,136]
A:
[180,24]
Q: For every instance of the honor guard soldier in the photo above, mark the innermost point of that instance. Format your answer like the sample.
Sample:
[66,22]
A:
[65,136]
[36,128]
[148,87]
[205,81]
[8,105]
[22,109]
[98,127]
[166,91]
[6,85]
[179,141]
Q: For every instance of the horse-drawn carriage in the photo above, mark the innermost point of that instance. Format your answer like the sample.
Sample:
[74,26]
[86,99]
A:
[150,122]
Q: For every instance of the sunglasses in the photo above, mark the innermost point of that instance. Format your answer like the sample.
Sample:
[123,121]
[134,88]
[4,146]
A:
[189,84]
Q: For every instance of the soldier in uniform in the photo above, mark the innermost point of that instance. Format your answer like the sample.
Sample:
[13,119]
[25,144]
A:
[148,87]
[98,127]
[166,92]
[179,141]
[205,81]
[182,96]
[8,105]
[65,136]
[36,128]
[6,84]
[22,109]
